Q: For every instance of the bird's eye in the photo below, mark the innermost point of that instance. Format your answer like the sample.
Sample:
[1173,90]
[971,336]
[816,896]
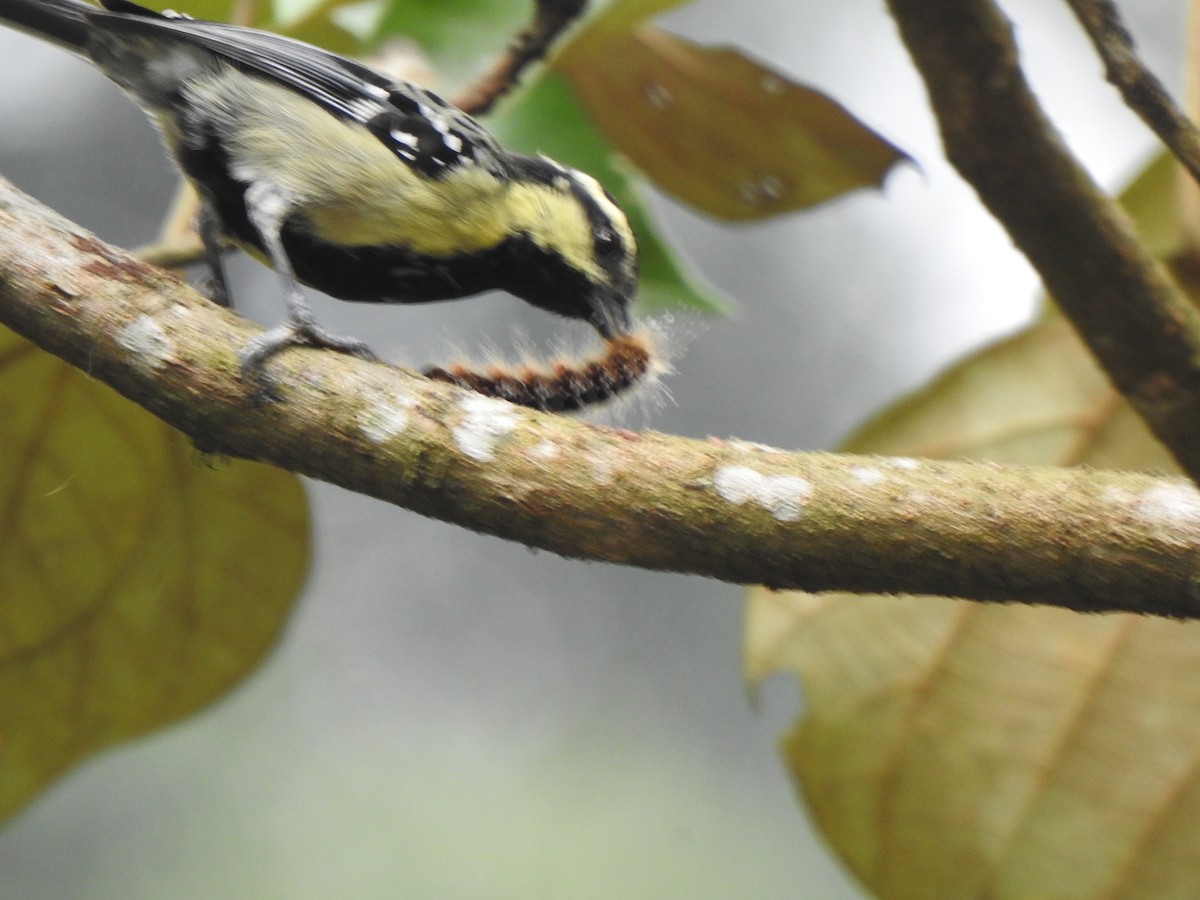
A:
[604,236]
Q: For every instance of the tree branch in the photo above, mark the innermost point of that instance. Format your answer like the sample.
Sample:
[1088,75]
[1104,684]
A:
[1133,317]
[1140,88]
[724,509]
[550,19]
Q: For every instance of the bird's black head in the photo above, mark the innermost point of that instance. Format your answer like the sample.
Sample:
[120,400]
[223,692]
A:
[574,252]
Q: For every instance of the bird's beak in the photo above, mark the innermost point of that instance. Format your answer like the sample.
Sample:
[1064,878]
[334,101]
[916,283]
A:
[610,313]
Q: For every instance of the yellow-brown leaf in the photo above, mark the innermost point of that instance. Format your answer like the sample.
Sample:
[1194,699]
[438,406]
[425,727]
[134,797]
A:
[718,130]
[138,582]
[954,749]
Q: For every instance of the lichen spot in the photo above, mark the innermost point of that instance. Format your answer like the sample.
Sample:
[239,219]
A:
[1170,503]
[866,474]
[904,462]
[546,450]
[753,446]
[784,496]
[604,468]
[1118,495]
[381,422]
[485,422]
[146,342]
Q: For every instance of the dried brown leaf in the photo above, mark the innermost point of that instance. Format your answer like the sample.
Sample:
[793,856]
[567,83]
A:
[720,131]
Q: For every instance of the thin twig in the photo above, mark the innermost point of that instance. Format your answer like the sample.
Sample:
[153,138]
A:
[1141,88]
[1187,189]
[550,19]
[724,509]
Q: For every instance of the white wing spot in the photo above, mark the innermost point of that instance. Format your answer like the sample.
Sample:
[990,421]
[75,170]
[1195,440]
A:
[364,110]
[485,422]
[453,143]
[403,137]
[784,496]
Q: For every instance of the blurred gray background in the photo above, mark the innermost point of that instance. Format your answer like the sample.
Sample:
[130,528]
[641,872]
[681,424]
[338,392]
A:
[449,715]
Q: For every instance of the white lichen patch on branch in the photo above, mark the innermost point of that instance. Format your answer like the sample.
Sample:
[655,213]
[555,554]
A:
[1118,495]
[544,450]
[784,496]
[383,421]
[904,462]
[147,343]
[752,446]
[866,474]
[604,468]
[1170,503]
[485,422]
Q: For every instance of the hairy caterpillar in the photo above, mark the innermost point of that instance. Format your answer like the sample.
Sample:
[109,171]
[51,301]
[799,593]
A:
[627,362]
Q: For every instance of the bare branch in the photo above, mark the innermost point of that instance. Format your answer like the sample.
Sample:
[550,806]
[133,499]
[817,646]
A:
[1142,90]
[1133,317]
[550,19]
[723,509]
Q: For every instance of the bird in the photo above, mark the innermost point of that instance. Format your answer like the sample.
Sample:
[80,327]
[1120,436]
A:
[365,187]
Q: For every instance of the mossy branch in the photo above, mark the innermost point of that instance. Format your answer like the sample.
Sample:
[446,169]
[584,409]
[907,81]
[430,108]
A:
[723,509]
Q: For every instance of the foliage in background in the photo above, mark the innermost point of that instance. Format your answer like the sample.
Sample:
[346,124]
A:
[962,749]
[139,582]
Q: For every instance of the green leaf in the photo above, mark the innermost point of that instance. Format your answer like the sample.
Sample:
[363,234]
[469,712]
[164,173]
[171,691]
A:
[460,36]
[138,581]
[546,119]
[209,10]
[718,130]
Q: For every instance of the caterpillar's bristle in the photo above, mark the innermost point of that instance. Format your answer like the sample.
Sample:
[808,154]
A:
[562,386]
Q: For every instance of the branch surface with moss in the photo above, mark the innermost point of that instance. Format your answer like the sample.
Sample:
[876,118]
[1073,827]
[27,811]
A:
[730,510]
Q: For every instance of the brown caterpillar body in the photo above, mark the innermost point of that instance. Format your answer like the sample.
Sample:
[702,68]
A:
[561,386]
